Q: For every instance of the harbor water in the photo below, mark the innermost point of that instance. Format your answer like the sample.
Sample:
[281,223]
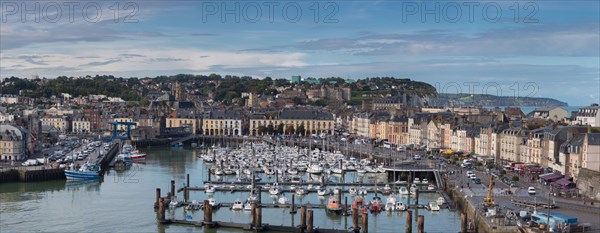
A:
[123,202]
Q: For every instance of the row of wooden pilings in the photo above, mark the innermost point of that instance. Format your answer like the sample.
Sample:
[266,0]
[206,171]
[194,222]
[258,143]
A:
[306,216]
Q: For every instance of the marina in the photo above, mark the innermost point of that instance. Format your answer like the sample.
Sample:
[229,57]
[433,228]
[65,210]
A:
[130,192]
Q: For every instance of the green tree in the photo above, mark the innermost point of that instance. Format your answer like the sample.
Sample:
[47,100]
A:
[301,130]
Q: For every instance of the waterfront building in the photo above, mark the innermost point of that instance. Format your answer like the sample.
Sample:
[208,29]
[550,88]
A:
[360,124]
[293,121]
[511,140]
[189,120]
[222,122]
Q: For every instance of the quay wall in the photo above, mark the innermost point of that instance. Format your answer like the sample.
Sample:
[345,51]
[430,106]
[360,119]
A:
[25,174]
[465,206]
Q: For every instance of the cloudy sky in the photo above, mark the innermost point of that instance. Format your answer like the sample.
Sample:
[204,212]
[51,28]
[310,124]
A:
[514,48]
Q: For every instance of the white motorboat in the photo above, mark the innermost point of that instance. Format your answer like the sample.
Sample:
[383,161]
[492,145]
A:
[430,187]
[390,204]
[400,206]
[274,191]
[293,187]
[209,188]
[425,181]
[315,169]
[300,191]
[441,201]
[417,181]
[292,171]
[387,189]
[352,191]
[434,206]
[269,171]
[212,202]
[336,191]
[323,191]
[362,191]
[174,203]
[413,189]
[237,205]
[248,206]
[403,191]
[195,205]
[282,200]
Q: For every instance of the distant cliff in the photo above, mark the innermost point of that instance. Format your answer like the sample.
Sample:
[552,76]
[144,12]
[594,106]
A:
[491,100]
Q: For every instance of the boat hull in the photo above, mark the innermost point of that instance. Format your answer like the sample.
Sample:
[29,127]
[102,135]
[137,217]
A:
[77,175]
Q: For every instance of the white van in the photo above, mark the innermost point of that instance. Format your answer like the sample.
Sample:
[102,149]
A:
[30,162]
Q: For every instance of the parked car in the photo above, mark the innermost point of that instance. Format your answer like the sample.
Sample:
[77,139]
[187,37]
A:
[477,181]
[531,190]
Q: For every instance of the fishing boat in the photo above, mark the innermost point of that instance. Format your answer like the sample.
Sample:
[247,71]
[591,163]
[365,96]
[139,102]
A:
[86,171]
[375,205]
[334,206]
[282,200]
[195,205]
[441,201]
[434,206]
[403,191]
[390,204]
[358,203]
[137,155]
[400,206]
[237,205]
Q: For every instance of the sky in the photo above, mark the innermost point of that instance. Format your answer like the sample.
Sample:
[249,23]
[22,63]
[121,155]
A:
[544,48]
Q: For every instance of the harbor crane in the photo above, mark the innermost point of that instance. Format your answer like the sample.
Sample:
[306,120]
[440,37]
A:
[488,201]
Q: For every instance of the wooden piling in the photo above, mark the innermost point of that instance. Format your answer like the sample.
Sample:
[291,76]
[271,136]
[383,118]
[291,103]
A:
[409,221]
[186,194]
[365,222]
[207,212]
[355,219]
[187,180]
[253,214]
[417,196]
[172,187]
[303,217]
[463,223]
[161,209]
[346,205]
[293,206]
[310,225]
[157,198]
[258,218]
[420,224]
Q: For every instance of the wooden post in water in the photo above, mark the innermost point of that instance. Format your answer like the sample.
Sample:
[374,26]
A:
[172,188]
[187,180]
[409,221]
[253,214]
[303,217]
[346,204]
[161,209]
[355,219]
[417,196]
[209,175]
[293,206]
[157,198]
[339,197]
[365,222]
[186,194]
[420,224]
[258,218]
[463,223]
[207,212]
[310,225]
